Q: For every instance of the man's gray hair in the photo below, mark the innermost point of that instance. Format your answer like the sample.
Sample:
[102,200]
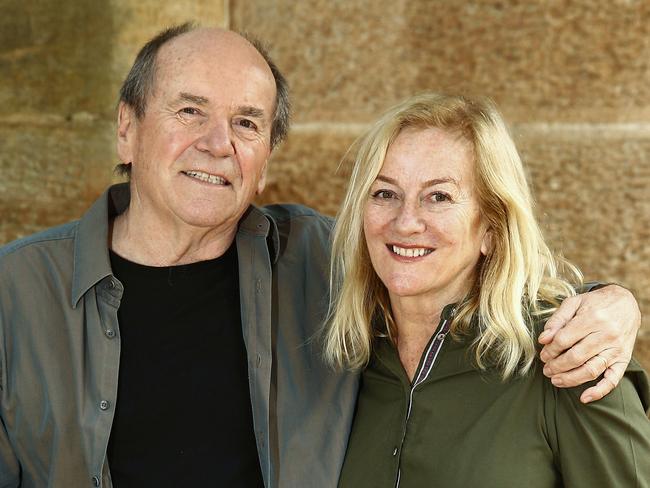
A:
[139,83]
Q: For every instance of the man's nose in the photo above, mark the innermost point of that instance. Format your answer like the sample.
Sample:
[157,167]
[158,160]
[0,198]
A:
[409,219]
[217,139]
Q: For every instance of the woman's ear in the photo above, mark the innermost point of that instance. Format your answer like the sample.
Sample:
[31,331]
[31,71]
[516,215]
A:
[486,242]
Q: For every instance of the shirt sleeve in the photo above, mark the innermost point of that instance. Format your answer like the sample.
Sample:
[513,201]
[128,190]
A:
[9,466]
[604,443]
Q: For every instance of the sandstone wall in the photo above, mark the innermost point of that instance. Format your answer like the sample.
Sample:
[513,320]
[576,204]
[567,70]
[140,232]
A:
[572,78]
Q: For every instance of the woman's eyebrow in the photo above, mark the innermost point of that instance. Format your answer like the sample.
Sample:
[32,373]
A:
[426,184]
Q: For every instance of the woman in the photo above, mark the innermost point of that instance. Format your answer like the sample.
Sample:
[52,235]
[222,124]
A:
[445,281]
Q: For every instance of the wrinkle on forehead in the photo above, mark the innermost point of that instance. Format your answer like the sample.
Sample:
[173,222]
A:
[221,49]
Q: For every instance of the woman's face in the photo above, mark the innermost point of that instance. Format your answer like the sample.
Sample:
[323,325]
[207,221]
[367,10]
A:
[422,221]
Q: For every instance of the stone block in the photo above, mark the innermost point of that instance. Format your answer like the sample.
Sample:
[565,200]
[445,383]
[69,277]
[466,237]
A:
[55,60]
[51,174]
[591,186]
[550,61]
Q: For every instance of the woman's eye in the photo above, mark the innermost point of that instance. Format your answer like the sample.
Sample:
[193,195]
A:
[439,197]
[383,194]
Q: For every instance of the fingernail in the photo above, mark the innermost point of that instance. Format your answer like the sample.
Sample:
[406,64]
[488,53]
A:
[544,334]
[547,371]
[557,381]
[587,399]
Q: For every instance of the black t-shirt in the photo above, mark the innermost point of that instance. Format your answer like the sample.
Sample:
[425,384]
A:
[183,415]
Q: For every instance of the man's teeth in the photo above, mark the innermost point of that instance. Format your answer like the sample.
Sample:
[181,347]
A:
[411,252]
[200,175]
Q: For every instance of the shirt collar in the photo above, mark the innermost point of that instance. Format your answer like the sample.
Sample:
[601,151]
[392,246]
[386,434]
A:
[257,222]
[91,258]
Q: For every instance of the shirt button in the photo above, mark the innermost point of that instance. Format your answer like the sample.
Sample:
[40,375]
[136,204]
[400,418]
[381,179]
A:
[441,336]
[259,360]
[95,480]
[394,452]
[258,286]
[104,404]
[110,333]
[111,284]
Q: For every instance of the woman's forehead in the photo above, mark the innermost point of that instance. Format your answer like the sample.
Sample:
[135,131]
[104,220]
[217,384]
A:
[427,152]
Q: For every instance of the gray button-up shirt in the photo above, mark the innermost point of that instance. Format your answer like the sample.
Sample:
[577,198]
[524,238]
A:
[60,350]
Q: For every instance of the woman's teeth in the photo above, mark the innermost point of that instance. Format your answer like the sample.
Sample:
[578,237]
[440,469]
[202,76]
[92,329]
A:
[411,252]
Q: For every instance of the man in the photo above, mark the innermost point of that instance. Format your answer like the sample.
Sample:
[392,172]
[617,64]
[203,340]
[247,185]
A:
[169,335]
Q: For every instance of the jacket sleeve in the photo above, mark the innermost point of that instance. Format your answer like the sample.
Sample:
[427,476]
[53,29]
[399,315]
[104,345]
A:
[605,443]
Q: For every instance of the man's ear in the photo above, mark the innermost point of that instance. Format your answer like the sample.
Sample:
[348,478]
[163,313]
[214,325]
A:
[126,127]
[261,184]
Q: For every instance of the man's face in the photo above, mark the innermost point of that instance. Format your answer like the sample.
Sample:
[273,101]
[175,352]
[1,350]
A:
[199,153]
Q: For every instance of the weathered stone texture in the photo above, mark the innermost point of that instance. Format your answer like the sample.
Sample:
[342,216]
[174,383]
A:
[51,174]
[305,169]
[592,189]
[559,60]
[54,57]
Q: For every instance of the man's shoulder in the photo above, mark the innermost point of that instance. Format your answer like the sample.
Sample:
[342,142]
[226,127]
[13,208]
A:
[285,212]
[302,231]
[40,240]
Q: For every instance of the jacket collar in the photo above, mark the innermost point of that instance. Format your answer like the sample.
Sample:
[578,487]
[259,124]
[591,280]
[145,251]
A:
[91,257]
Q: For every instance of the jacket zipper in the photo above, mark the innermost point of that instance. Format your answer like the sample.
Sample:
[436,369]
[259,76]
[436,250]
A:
[432,351]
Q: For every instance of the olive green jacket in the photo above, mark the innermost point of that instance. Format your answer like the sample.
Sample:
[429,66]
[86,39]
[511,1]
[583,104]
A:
[469,429]
[60,350]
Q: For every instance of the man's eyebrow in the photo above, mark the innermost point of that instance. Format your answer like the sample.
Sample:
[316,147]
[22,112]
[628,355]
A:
[188,97]
[250,111]
[435,181]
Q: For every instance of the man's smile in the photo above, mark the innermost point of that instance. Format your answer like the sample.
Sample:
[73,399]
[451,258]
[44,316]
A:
[207,177]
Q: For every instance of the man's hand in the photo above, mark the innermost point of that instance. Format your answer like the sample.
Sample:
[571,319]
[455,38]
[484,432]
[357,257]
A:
[591,334]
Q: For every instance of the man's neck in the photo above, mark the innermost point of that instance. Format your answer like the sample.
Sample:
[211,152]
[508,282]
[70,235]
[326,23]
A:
[143,241]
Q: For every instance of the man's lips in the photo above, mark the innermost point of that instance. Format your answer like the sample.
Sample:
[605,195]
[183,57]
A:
[410,251]
[207,177]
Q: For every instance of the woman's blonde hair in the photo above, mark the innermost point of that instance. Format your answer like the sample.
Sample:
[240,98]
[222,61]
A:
[519,277]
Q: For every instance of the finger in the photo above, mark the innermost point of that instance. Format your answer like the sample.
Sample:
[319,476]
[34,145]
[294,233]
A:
[577,329]
[589,371]
[611,378]
[578,354]
[565,312]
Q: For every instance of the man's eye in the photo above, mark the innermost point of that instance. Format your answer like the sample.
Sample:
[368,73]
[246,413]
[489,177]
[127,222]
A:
[246,123]
[189,111]
[383,194]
